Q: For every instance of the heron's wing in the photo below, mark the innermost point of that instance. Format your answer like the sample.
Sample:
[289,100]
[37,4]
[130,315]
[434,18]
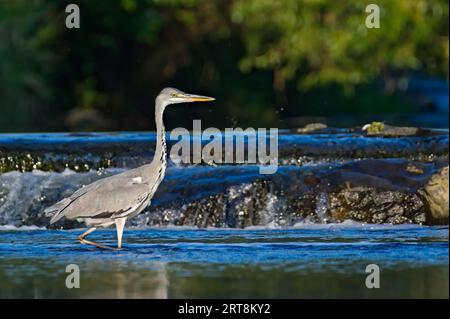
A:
[57,208]
[106,198]
[113,180]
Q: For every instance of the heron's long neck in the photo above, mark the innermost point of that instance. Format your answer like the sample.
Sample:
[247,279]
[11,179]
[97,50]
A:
[160,152]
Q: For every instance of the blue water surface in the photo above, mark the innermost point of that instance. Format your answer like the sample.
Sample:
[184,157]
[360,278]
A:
[307,260]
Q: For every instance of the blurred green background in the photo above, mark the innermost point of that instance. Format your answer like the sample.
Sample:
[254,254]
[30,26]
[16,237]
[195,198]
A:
[268,63]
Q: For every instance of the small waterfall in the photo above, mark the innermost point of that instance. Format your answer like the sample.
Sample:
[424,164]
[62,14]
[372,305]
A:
[322,205]
[321,178]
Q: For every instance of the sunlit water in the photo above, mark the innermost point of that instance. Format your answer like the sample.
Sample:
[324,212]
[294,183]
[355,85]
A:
[314,261]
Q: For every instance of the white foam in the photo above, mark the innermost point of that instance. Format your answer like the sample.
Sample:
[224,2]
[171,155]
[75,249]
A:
[12,227]
[352,224]
[271,225]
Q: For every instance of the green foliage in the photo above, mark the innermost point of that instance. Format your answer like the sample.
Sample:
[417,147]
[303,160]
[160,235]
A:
[250,54]
[25,62]
[330,41]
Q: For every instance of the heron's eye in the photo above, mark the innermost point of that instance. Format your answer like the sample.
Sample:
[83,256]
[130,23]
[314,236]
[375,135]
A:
[173,95]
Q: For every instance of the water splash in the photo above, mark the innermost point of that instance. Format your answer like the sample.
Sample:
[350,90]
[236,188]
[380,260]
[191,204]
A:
[322,204]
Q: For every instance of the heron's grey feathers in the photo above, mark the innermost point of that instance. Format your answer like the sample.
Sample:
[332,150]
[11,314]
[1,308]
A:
[127,194]
[108,198]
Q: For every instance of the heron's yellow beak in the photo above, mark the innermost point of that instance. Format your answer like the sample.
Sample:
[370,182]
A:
[199,98]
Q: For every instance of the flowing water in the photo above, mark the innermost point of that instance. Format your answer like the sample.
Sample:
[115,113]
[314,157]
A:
[225,231]
[304,261]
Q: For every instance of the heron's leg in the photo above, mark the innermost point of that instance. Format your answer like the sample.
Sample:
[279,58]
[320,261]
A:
[87,232]
[87,242]
[120,225]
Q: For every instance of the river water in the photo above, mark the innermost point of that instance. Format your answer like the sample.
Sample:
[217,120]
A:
[222,231]
[311,261]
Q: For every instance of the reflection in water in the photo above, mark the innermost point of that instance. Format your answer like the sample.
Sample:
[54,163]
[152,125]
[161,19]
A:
[37,279]
[148,284]
[309,261]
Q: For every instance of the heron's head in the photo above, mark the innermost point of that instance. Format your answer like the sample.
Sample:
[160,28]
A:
[173,96]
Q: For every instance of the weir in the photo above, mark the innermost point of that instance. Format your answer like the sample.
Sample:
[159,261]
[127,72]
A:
[333,175]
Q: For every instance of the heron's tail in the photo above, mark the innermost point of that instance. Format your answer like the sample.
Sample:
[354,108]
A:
[57,210]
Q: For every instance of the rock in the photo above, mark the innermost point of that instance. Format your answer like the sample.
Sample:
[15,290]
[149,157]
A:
[374,127]
[436,193]
[414,169]
[370,191]
[312,127]
[381,129]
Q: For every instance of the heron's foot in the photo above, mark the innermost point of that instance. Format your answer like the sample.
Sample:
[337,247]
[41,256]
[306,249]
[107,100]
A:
[83,240]
[88,242]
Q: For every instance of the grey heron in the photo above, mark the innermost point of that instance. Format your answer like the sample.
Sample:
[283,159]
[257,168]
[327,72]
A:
[115,199]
